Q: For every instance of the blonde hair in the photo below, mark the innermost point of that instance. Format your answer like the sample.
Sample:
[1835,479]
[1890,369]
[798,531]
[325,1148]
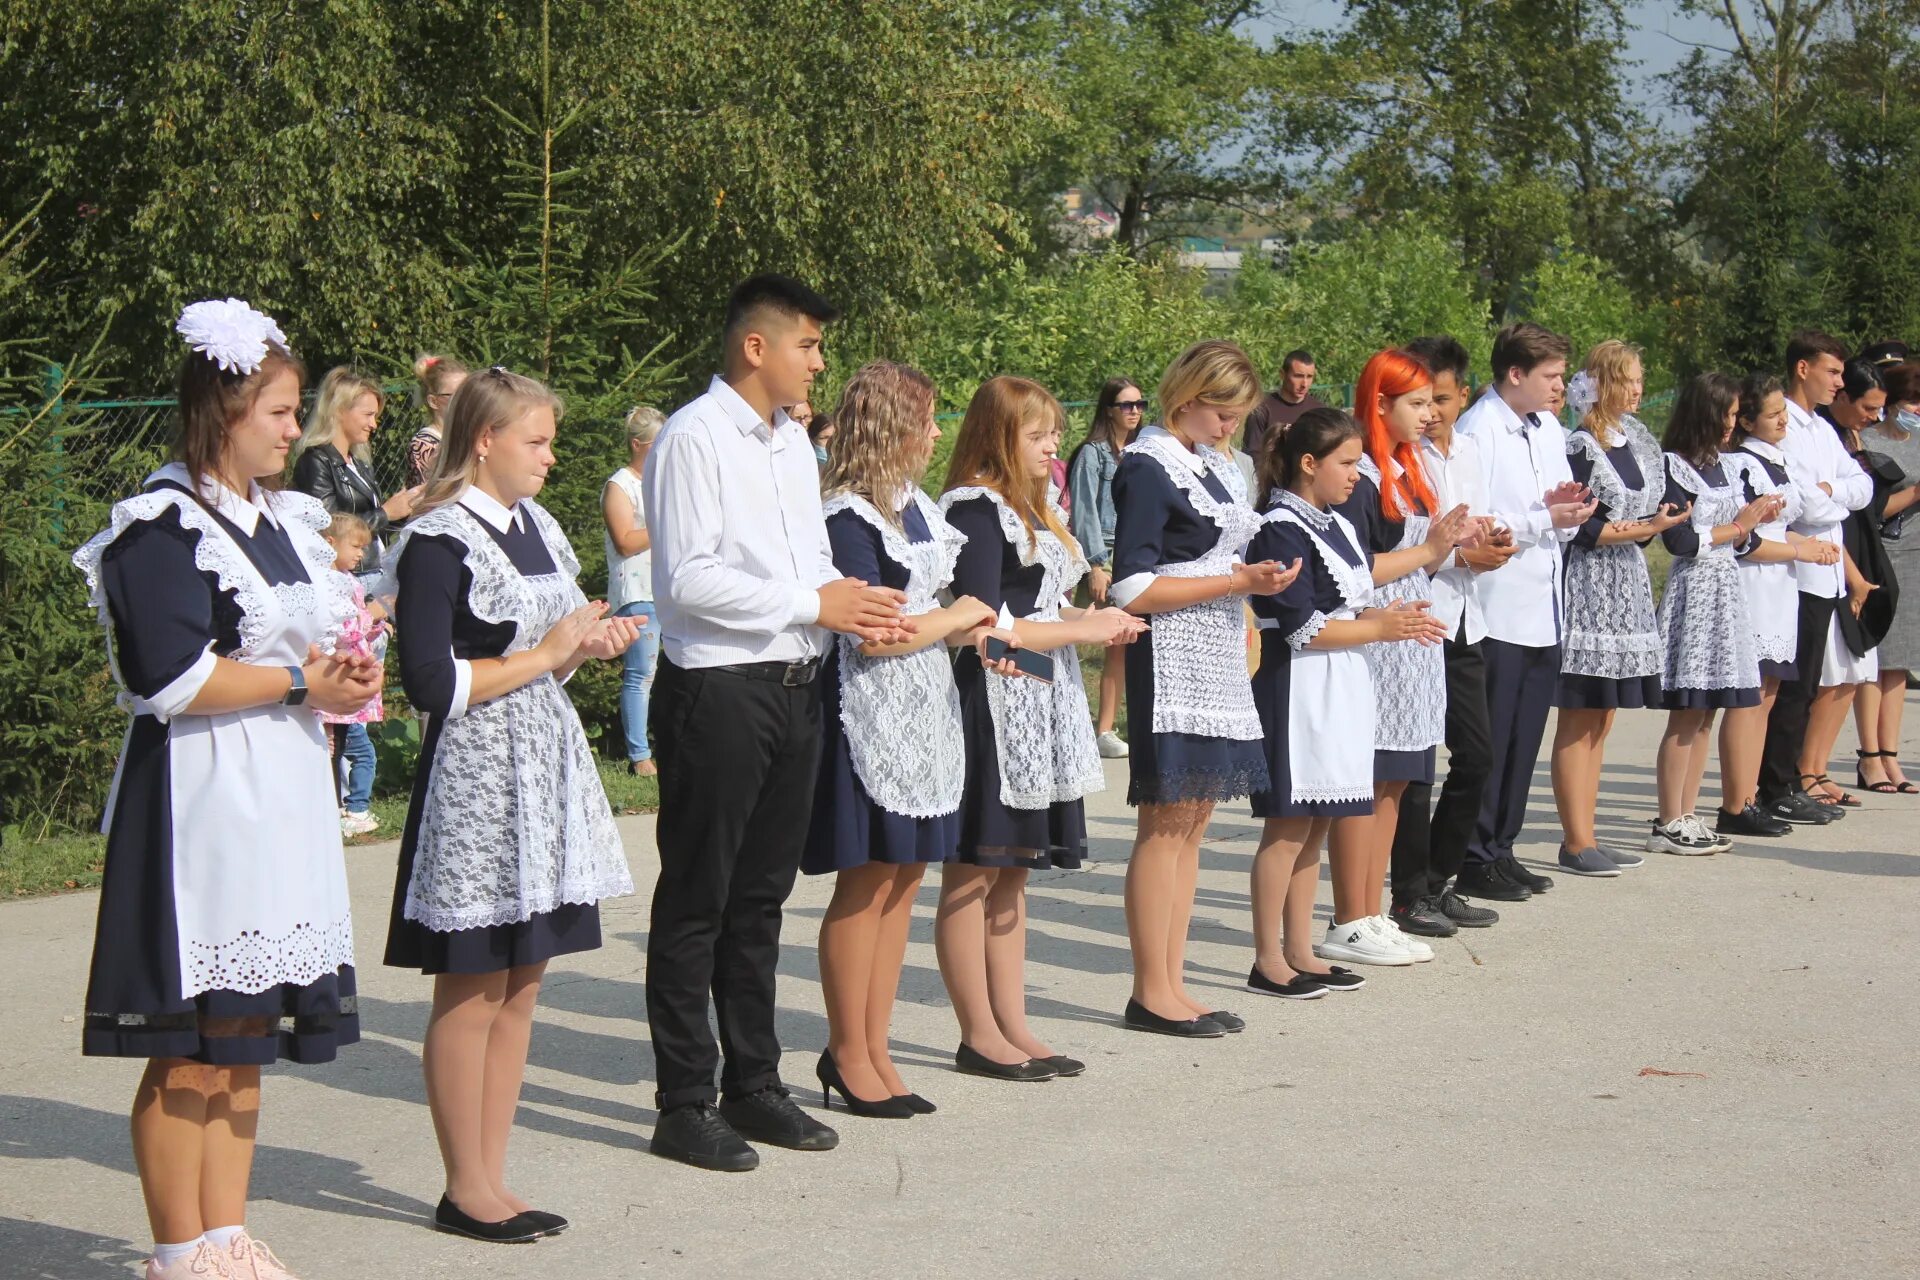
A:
[436,374]
[343,385]
[880,445]
[1216,373]
[987,452]
[491,400]
[1610,365]
[644,423]
[344,526]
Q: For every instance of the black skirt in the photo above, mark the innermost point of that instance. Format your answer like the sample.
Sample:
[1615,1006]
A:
[991,833]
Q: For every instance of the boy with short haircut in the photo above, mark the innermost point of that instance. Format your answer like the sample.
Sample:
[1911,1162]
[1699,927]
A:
[1530,491]
[1833,486]
[745,590]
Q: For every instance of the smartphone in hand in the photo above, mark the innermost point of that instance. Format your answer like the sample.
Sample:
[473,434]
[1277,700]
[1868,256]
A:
[1028,662]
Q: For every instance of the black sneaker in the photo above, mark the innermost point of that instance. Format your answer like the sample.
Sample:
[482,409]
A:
[770,1115]
[1510,868]
[1423,918]
[1750,821]
[1799,807]
[1483,880]
[697,1135]
[1464,913]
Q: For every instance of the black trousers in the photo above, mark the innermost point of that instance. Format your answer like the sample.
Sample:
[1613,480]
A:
[1520,684]
[737,758]
[1787,722]
[1431,841]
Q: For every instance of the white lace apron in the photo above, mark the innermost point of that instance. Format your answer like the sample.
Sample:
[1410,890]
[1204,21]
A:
[515,822]
[1410,679]
[1612,630]
[902,714]
[1330,699]
[259,880]
[1043,732]
[1772,593]
[1200,681]
[1710,641]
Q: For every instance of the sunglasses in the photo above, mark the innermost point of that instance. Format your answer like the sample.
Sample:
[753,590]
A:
[1130,406]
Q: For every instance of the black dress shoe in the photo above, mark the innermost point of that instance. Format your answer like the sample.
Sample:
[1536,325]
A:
[1338,979]
[1464,913]
[1139,1018]
[1422,918]
[971,1062]
[1510,868]
[1064,1066]
[550,1224]
[519,1229]
[770,1115]
[697,1134]
[887,1108]
[1231,1023]
[1301,986]
[1483,880]
[1750,822]
[915,1103]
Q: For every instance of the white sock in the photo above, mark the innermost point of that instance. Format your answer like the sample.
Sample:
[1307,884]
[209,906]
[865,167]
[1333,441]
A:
[168,1254]
[221,1238]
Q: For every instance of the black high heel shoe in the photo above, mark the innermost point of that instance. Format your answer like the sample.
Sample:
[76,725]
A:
[519,1229]
[975,1063]
[828,1072]
[915,1103]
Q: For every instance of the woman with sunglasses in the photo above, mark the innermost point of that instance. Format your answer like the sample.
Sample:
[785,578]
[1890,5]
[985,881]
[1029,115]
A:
[1117,419]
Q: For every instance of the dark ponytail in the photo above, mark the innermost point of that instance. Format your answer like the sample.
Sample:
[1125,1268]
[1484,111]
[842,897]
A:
[1316,433]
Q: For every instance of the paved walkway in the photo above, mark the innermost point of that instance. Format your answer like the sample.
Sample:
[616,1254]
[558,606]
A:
[1491,1114]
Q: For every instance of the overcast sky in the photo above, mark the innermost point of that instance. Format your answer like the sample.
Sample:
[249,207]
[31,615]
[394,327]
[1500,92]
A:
[1660,40]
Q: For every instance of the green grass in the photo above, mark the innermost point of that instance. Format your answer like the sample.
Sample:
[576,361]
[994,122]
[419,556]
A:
[30,867]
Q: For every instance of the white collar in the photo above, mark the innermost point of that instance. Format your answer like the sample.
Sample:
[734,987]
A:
[742,414]
[1195,463]
[1515,422]
[490,508]
[905,499]
[1762,449]
[1798,417]
[245,513]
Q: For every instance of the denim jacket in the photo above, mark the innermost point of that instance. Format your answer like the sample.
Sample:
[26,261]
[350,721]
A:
[1091,517]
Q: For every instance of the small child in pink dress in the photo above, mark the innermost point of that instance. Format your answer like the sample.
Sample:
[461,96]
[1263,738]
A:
[365,633]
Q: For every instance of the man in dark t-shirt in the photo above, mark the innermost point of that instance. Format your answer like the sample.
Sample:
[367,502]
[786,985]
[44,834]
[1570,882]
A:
[1282,406]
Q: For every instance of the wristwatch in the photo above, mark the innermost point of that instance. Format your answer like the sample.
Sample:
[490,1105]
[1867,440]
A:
[297,693]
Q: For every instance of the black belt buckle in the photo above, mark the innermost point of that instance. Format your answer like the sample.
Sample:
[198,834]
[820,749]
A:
[798,674]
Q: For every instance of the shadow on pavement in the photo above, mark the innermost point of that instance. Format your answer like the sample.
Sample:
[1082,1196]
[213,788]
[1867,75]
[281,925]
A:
[42,1251]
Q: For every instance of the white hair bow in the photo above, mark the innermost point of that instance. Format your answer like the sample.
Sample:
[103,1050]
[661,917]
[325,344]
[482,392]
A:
[1582,393]
[231,334]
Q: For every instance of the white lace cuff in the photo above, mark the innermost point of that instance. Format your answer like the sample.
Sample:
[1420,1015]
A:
[1312,627]
[178,695]
[462,688]
[1130,588]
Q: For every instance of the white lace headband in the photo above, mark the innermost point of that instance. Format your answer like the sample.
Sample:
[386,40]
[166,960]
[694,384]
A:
[231,334]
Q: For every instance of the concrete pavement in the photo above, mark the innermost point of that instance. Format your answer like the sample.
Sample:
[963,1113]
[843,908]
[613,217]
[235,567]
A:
[1490,1114]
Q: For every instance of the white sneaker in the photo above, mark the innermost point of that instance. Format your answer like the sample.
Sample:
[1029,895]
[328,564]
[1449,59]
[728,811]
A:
[250,1259]
[359,824]
[1396,936]
[1358,942]
[1110,746]
[204,1263]
[1700,830]
[1675,837]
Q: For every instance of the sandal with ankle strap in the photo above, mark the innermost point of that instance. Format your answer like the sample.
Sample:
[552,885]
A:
[1902,787]
[1884,787]
[1843,800]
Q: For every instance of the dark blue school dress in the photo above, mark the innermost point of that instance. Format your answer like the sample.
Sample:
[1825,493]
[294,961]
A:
[1612,653]
[1336,684]
[849,828]
[1160,529]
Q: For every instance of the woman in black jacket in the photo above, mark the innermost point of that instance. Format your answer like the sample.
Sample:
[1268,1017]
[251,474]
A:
[332,462]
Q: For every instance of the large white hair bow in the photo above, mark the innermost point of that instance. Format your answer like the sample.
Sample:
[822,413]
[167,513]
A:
[1582,393]
[231,333]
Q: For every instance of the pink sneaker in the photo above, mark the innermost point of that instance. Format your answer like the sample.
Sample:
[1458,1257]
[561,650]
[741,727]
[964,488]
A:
[249,1259]
[204,1263]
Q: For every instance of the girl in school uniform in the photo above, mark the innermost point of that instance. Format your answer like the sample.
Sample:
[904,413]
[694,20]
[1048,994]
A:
[1393,508]
[1178,539]
[1613,652]
[1316,700]
[1712,663]
[1031,752]
[218,952]
[887,795]
[1772,597]
[509,843]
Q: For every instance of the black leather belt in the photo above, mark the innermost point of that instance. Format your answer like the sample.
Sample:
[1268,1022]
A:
[790,674]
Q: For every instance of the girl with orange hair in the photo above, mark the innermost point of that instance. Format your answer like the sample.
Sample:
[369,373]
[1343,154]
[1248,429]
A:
[1394,509]
[1030,749]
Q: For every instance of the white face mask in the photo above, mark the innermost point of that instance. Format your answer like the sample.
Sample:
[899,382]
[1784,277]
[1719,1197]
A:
[1907,420]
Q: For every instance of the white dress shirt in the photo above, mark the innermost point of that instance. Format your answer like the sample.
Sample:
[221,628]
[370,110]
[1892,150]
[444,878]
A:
[1812,442]
[1521,602]
[739,545]
[1456,479]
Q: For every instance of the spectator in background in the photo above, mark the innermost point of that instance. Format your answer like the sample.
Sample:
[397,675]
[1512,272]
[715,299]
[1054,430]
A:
[1878,704]
[1117,418]
[820,432]
[332,462]
[1282,406]
[630,582]
[439,378]
[364,637]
